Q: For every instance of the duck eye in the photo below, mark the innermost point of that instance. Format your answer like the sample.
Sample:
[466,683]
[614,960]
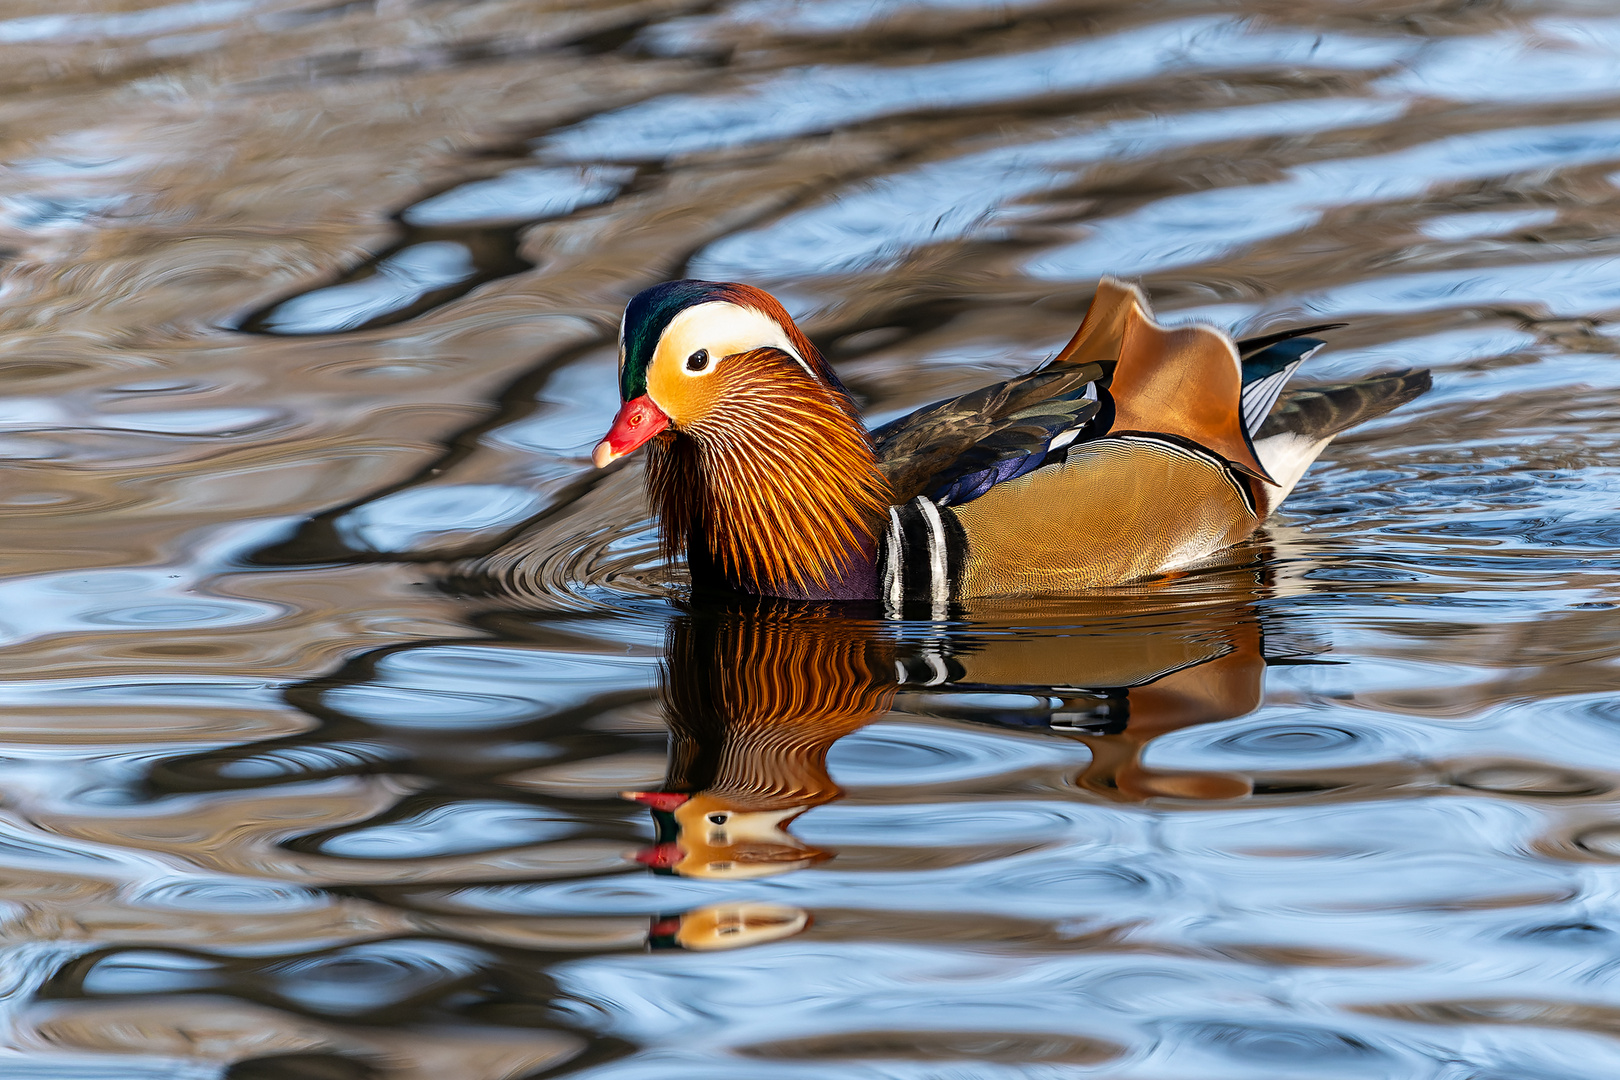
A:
[698,360]
[718,819]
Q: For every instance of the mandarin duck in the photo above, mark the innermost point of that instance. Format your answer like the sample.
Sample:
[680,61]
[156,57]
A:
[1138,449]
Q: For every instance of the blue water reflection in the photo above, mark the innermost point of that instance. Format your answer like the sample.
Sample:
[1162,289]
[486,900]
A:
[806,100]
[525,194]
[400,279]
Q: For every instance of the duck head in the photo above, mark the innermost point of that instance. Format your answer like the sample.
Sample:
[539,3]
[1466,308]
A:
[760,470]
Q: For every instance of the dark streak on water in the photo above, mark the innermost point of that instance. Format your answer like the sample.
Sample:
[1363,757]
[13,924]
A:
[328,656]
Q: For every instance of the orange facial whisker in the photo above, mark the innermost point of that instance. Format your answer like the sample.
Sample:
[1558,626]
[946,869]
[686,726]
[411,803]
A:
[778,479]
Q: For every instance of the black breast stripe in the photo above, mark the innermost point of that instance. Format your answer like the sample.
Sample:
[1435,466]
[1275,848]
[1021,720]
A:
[920,564]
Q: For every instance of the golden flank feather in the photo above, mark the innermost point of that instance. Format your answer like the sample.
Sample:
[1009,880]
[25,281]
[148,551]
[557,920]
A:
[775,476]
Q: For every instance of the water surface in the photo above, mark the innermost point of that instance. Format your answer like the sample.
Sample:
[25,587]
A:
[328,658]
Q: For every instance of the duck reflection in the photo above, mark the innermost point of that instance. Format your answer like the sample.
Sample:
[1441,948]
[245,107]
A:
[1118,684]
[726,926]
[753,694]
[756,693]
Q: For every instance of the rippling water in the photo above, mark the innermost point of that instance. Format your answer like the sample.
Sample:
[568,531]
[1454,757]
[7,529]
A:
[328,657]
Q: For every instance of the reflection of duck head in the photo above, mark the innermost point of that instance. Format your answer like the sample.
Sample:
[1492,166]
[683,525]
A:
[707,838]
[755,696]
[718,927]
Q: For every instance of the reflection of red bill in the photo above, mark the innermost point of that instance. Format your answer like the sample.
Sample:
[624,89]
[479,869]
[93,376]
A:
[658,800]
[660,856]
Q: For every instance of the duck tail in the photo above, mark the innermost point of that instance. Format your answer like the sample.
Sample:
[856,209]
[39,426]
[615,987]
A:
[1321,412]
[1306,420]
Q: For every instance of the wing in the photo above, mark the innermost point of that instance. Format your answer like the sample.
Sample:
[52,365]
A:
[1251,348]
[955,450]
[1184,381]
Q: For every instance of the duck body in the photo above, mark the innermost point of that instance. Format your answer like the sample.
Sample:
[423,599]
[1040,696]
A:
[1137,450]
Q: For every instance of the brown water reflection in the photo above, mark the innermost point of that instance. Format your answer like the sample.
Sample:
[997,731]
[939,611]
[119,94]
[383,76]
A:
[328,656]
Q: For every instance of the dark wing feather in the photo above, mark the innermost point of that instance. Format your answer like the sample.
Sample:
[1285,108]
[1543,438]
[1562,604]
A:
[1320,412]
[1012,451]
[1274,358]
[959,448]
[1253,347]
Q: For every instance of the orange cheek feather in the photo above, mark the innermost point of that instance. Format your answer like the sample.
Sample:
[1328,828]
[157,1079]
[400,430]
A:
[638,421]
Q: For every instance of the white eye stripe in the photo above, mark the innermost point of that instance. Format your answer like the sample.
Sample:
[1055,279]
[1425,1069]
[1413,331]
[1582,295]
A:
[724,329]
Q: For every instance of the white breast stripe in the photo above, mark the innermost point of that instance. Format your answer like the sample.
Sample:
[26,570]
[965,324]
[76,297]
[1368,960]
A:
[937,670]
[938,579]
[893,587]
